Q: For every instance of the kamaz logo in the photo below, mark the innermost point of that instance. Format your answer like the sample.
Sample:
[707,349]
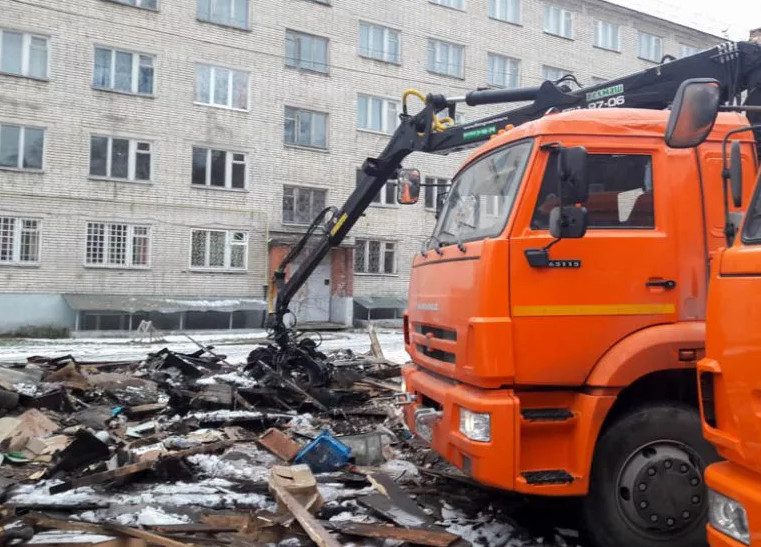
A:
[431,306]
[606,92]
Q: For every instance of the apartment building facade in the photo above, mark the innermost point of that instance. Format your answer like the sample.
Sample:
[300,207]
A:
[159,158]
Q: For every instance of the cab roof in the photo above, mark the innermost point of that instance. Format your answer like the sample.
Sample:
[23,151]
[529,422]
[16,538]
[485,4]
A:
[629,122]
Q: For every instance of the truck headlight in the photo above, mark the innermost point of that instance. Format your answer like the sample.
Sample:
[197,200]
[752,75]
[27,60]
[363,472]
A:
[728,517]
[476,426]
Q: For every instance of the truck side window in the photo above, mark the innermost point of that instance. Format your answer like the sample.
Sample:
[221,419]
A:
[620,192]
[752,228]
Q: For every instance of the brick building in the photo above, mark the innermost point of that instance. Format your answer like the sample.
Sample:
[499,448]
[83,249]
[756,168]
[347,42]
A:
[157,158]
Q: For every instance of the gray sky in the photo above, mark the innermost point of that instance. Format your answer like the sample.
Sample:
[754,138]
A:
[733,18]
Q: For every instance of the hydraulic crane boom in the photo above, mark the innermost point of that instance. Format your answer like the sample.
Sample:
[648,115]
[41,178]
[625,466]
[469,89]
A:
[737,66]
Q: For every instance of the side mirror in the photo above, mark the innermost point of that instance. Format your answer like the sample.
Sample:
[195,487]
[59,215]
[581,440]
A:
[736,173]
[568,222]
[693,112]
[408,187]
[572,168]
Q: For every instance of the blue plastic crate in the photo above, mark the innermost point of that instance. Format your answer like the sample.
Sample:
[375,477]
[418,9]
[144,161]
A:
[324,454]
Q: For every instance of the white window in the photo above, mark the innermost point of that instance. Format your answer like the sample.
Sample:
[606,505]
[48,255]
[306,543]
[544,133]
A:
[502,71]
[231,13]
[456,4]
[306,127]
[445,58]
[19,240]
[123,71]
[23,54]
[21,147]
[686,51]
[112,244]
[385,196]
[377,113]
[374,257]
[218,168]
[223,87]
[301,205]
[434,190]
[116,158]
[145,4]
[377,42]
[608,35]
[649,47]
[553,73]
[219,249]
[558,21]
[505,10]
[306,51]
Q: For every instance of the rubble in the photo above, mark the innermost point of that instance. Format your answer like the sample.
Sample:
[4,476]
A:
[181,448]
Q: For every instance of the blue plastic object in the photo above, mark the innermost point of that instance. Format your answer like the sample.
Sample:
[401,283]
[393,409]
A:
[324,454]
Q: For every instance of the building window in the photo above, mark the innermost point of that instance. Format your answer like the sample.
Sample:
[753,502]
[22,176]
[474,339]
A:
[223,87]
[218,168]
[445,58]
[219,249]
[306,51]
[385,196]
[21,147]
[608,36]
[554,74]
[110,244]
[377,114]
[435,190]
[558,21]
[377,42]
[23,54]
[301,205]
[686,51]
[455,4]
[123,71]
[502,71]
[374,257]
[505,10]
[231,13]
[19,240]
[145,4]
[116,158]
[649,47]
[306,127]
[597,80]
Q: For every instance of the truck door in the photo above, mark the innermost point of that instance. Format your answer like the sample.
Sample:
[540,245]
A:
[617,279]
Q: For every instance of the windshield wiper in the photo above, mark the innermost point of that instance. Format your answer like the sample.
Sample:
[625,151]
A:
[458,241]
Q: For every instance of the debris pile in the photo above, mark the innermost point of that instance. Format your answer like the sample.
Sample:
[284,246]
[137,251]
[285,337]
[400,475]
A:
[188,448]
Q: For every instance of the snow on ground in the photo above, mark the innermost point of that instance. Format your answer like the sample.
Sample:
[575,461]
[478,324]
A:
[235,346]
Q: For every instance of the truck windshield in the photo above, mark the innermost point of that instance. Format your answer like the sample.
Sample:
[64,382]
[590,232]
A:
[482,195]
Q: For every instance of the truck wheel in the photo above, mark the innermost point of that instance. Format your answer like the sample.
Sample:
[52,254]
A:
[647,486]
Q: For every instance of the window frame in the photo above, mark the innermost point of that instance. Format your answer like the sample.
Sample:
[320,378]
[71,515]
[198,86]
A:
[434,191]
[495,10]
[230,87]
[657,39]
[128,250]
[387,31]
[297,110]
[693,50]
[563,21]
[564,71]
[26,48]
[507,60]
[22,147]
[229,24]
[132,152]
[381,199]
[134,72]
[385,102]
[436,43]
[444,4]
[230,161]
[229,244]
[599,25]
[299,188]
[16,243]
[137,4]
[383,243]
[299,34]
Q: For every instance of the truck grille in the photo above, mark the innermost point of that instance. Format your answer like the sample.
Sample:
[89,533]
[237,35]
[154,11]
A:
[439,355]
[436,332]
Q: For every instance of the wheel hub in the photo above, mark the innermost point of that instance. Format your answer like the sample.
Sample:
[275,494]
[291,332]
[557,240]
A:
[660,488]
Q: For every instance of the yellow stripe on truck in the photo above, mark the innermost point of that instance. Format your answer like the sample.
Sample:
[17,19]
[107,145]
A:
[338,224]
[594,309]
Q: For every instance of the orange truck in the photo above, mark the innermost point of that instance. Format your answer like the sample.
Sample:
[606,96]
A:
[557,357]
[729,379]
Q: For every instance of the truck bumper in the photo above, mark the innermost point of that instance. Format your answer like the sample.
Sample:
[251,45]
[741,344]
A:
[744,486]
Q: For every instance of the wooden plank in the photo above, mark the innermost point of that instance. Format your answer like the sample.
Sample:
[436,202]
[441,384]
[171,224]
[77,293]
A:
[385,531]
[280,444]
[375,346]
[386,486]
[145,409]
[145,535]
[311,525]
[384,507]
[380,384]
[194,528]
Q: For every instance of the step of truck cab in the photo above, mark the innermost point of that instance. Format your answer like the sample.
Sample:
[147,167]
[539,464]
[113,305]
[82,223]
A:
[547,476]
[546,414]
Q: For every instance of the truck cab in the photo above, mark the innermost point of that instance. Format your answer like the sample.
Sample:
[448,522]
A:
[574,374]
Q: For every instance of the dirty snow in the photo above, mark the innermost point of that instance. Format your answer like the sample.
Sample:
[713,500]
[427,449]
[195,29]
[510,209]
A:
[58,537]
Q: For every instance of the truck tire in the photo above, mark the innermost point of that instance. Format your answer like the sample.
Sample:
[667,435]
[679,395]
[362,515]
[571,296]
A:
[646,487]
